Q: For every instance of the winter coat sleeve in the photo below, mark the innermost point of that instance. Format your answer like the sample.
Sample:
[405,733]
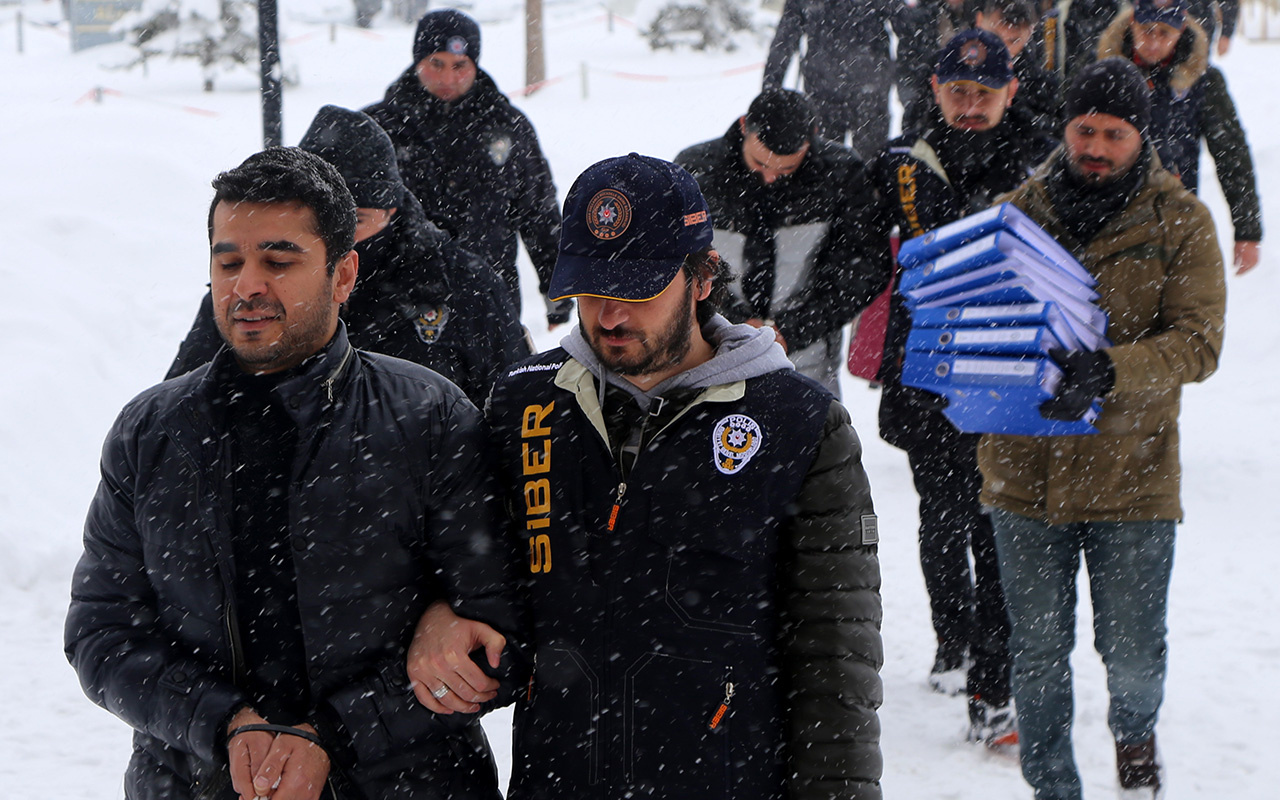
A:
[202,343]
[1188,340]
[786,41]
[832,651]
[126,664]
[463,542]
[847,275]
[537,211]
[1227,144]
[1230,14]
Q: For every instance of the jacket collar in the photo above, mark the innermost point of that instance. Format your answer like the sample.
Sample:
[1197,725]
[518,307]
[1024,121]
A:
[1127,229]
[407,93]
[306,395]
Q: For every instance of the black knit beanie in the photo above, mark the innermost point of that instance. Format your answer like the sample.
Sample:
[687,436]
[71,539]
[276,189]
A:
[1111,86]
[783,120]
[362,152]
[447,31]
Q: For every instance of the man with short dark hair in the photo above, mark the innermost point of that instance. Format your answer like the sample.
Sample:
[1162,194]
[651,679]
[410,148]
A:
[790,210]
[418,296]
[270,526]
[1114,495]
[702,569]
[1190,103]
[967,153]
[1014,21]
[471,158]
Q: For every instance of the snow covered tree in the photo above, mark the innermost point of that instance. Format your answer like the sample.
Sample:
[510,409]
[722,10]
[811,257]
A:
[222,35]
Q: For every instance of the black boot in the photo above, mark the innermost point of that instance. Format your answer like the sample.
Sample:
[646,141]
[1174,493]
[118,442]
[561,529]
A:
[1137,766]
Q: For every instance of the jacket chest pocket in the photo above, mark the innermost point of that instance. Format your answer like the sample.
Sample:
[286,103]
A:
[677,739]
[719,569]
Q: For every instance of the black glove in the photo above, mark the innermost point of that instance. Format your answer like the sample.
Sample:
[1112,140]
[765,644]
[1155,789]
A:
[929,401]
[559,312]
[1085,376]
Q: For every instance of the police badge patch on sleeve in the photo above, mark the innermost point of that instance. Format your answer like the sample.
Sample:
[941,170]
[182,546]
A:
[500,150]
[736,439]
[430,322]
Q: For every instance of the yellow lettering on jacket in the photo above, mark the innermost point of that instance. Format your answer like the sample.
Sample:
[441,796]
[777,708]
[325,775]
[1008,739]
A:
[535,459]
[907,199]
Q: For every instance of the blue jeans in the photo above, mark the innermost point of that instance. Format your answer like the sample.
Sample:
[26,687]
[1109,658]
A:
[1129,564]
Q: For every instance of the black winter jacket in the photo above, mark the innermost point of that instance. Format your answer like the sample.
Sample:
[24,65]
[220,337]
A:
[478,169]
[711,629]
[419,297]
[390,511]
[1068,35]
[924,188]
[803,240]
[837,33]
[1190,102]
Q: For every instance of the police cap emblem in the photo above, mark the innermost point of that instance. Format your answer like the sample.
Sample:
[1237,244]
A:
[735,440]
[608,214]
[974,53]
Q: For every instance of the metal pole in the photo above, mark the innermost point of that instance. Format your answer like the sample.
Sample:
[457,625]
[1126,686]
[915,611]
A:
[19,21]
[269,63]
[583,72]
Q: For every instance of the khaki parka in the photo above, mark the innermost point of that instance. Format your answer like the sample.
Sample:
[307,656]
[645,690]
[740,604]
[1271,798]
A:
[1160,276]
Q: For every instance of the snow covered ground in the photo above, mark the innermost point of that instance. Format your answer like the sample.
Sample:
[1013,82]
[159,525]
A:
[102,209]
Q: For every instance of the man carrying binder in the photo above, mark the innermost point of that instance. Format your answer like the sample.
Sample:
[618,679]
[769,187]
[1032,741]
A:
[1114,495]
[967,152]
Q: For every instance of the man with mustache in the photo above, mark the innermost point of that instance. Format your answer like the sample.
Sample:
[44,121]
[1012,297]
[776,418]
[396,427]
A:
[968,151]
[270,526]
[1113,495]
[701,544]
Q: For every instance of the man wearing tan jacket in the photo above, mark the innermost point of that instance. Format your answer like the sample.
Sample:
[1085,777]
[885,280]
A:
[1114,495]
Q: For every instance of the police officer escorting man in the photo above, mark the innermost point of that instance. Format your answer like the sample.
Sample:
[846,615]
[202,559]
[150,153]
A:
[702,549]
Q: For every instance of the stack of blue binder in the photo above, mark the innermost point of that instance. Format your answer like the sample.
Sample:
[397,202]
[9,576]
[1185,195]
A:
[990,295]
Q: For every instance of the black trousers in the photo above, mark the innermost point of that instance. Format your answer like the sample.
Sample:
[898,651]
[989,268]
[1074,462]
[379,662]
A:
[967,604]
[856,103]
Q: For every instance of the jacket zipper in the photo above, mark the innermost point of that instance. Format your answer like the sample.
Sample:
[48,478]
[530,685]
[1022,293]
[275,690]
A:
[723,709]
[617,505]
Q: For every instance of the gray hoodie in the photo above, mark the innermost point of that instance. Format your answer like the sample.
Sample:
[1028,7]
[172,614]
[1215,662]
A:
[741,352]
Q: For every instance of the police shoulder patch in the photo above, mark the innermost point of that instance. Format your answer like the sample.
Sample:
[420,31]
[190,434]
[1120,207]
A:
[430,322]
[500,150]
[735,441]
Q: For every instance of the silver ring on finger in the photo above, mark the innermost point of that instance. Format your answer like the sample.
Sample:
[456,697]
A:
[441,692]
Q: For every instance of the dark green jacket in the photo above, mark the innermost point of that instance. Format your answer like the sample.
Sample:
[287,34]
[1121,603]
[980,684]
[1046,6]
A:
[1160,277]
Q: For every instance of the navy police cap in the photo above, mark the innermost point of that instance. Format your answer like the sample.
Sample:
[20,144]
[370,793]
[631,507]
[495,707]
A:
[629,223]
[1171,12]
[975,56]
